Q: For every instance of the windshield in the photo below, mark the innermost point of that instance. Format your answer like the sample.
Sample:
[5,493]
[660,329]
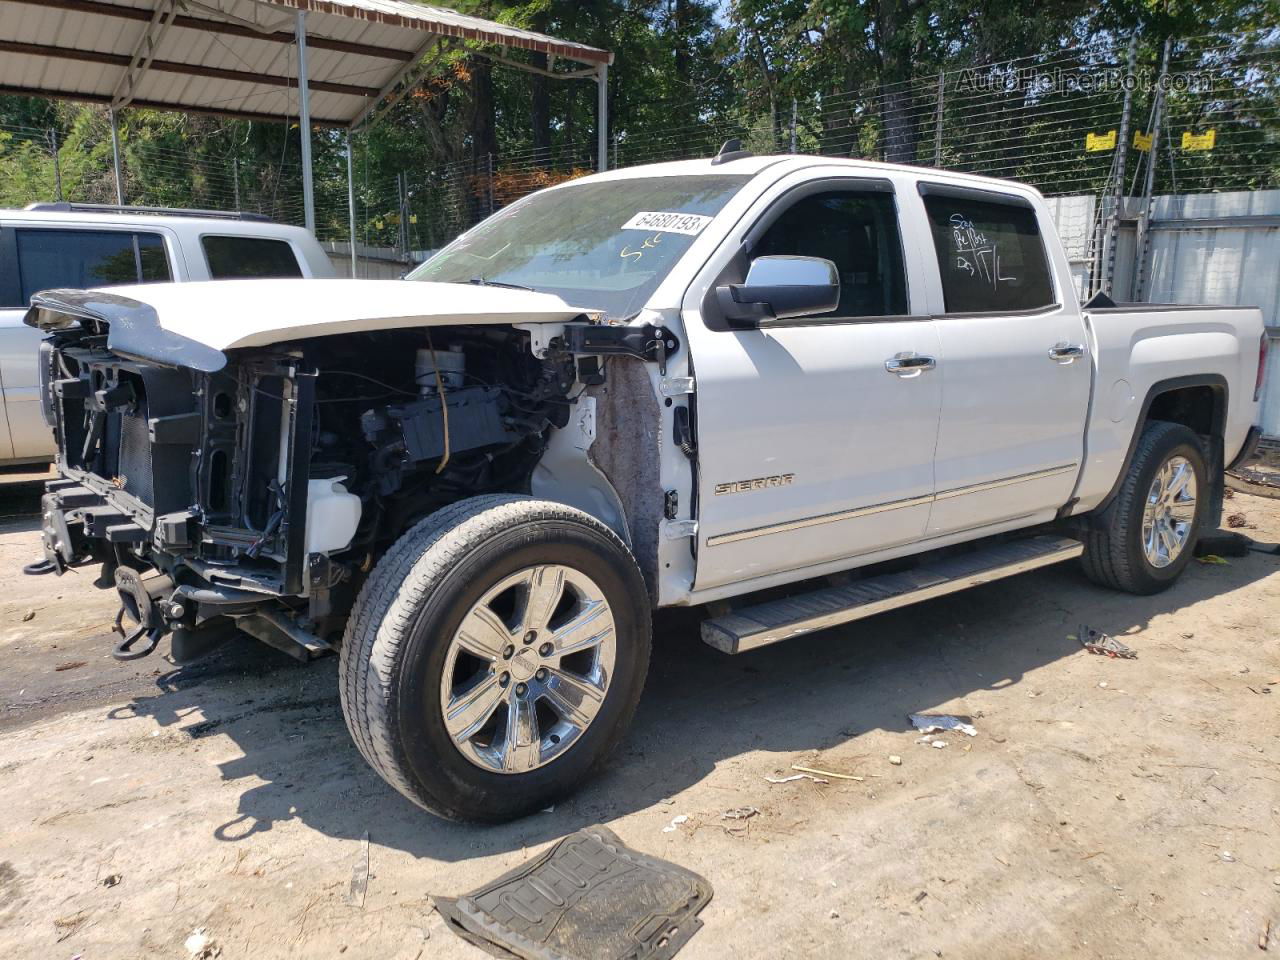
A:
[604,244]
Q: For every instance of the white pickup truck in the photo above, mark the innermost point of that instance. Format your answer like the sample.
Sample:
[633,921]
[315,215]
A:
[671,385]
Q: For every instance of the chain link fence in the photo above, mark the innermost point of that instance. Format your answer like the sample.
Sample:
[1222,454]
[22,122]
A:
[1099,122]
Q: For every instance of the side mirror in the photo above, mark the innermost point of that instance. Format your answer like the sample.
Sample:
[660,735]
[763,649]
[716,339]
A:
[778,288]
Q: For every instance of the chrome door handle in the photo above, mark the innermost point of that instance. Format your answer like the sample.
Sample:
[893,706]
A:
[1064,352]
[907,365]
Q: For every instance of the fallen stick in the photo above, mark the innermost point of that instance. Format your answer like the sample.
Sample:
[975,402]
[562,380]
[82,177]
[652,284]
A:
[826,773]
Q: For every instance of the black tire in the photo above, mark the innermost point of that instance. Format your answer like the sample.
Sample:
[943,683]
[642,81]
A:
[1114,555]
[397,640]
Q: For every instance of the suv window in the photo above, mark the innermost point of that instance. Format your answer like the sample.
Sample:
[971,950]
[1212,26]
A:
[990,255]
[231,257]
[858,232]
[87,258]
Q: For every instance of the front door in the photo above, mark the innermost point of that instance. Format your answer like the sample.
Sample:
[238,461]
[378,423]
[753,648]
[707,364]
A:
[815,443]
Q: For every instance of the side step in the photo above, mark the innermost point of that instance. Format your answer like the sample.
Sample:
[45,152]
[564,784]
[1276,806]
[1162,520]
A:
[765,623]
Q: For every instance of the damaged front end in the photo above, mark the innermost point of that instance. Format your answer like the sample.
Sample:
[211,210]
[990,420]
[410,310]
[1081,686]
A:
[190,487]
[252,490]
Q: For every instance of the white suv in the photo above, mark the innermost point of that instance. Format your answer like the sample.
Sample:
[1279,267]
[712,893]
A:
[86,245]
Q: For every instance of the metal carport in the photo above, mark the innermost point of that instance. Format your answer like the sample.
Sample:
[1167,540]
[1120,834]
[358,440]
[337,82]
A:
[333,63]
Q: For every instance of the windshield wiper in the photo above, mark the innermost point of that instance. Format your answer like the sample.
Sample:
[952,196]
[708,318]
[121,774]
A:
[482,282]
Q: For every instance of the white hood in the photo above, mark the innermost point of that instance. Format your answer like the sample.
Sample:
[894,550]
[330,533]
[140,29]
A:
[193,324]
[225,314]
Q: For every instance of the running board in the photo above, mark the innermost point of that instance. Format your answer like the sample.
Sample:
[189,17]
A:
[765,623]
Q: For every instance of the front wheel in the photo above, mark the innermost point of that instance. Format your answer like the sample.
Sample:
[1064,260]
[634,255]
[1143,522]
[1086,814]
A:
[495,656]
[1150,533]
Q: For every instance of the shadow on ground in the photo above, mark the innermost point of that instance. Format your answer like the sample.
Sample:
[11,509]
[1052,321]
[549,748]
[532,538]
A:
[700,708]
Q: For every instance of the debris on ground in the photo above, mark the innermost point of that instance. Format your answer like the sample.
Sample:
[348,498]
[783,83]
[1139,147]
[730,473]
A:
[674,825]
[69,925]
[1221,544]
[796,776]
[826,773]
[29,615]
[1256,474]
[112,880]
[590,897]
[942,723]
[895,759]
[1237,520]
[1226,856]
[938,744]
[69,665]
[359,874]
[1264,938]
[739,813]
[1103,644]
[1213,559]
[201,946]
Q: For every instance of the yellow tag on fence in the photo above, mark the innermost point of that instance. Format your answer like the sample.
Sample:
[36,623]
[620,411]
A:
[1199,141]
[1141,141]
[413,218]
[1095,142]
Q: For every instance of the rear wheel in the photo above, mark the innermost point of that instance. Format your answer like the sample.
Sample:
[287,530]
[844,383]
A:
[495,656]
[1150,532]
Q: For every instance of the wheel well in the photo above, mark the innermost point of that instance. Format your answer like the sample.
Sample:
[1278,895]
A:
[1197,403]
[1198,407]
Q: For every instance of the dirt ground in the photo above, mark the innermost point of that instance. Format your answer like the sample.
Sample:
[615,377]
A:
[1106,808]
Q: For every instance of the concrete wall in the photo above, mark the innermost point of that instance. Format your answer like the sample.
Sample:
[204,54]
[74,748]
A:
[373,263]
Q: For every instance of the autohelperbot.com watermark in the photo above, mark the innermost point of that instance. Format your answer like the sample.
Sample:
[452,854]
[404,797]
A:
[1043,81]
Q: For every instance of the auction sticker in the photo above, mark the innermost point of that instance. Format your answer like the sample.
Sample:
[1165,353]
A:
[653,221]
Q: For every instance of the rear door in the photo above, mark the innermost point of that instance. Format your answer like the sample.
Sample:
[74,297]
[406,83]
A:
[39,257]
[1014,365]
[809,449]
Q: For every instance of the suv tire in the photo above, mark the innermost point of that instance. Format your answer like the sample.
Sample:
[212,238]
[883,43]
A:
[1141,544]
[453,682]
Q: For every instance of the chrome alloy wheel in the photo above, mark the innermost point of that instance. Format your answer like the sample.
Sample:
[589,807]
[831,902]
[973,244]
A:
[1170,512]
[528,668]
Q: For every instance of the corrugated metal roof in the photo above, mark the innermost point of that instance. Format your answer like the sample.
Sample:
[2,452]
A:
[238,57]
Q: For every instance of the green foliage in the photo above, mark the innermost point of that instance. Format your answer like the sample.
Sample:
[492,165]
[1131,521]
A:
[687,74]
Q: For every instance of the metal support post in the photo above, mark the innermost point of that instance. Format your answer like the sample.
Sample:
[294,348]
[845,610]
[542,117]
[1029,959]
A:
[1143,242]
[1121,155]
[115,159]
[351,205]
[937,123]
[602,117]
[304,123]
[57,164]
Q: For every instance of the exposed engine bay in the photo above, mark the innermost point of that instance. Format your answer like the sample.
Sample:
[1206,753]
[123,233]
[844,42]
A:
[189,486]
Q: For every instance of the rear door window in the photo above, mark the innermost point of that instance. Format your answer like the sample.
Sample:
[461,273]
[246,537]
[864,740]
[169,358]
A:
[232,257]
[990,255]
[88,258]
